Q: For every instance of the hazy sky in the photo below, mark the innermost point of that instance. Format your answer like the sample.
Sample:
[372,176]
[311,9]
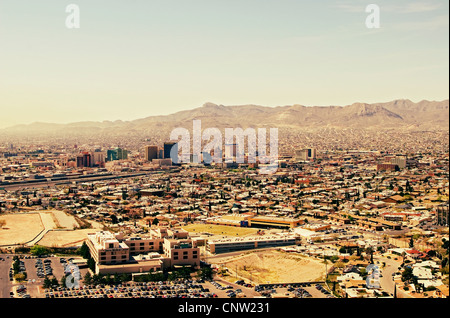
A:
[136,58]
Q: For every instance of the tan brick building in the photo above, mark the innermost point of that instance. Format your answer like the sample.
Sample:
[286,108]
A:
[162,248]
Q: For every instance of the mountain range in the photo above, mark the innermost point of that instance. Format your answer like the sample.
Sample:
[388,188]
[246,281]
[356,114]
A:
[398,114]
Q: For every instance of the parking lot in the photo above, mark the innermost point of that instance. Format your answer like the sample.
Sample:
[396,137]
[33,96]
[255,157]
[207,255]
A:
[5,283]
[238,289]
[36,269]
[162,289]
[299,290]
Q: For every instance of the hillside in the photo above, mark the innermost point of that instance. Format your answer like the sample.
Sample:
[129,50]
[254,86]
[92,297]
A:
[399,114]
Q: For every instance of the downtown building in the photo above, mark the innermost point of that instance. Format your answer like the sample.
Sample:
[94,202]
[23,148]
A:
[151,153]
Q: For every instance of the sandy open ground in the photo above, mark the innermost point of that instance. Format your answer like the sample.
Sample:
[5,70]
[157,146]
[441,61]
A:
[274,266]
[57,227]
[20,228]
[65,238]
[64,220]
[219,230]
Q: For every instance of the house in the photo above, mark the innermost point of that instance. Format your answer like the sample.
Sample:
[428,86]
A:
[348,277]
[355,288]
[351,269]
[414,253]
[394,199]
[422,273]
[431,264]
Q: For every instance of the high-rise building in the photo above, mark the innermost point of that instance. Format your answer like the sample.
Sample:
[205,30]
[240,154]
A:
[111,155]
[117,154]
[151,152]
[80,163]
[311,153]
[84,160]
[400,161]
[122,154]
[305,154]
[87,159]
[98,157]
[171,148]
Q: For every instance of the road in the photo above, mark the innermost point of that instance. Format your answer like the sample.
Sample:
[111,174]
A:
[386,282]
[48,184]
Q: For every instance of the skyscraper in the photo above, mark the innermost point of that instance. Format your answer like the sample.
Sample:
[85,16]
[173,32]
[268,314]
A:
[171,148]
[122,154]
[151,152]
[87,159]
[111,155]
[117,154]
[79,161]
[98,157]
[84,160]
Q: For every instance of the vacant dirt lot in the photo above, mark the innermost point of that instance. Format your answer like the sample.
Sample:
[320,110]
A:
[64,220]
[65,238]
[219,230]
[20,228]
[274,266]
[68,238]
[23,227]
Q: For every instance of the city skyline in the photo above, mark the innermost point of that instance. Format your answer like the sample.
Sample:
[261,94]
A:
[130,61]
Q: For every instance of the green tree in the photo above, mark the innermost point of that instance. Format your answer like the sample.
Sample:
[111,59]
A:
[87,278]
[407,274]
[91,264]
[16,266]
[38,250]
[54,282]
[47,283]
[62,281]
[84,251]
[20,277]
[205,272]
[125,277]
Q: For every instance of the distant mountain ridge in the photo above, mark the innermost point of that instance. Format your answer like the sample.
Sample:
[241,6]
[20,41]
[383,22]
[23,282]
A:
[398,114]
